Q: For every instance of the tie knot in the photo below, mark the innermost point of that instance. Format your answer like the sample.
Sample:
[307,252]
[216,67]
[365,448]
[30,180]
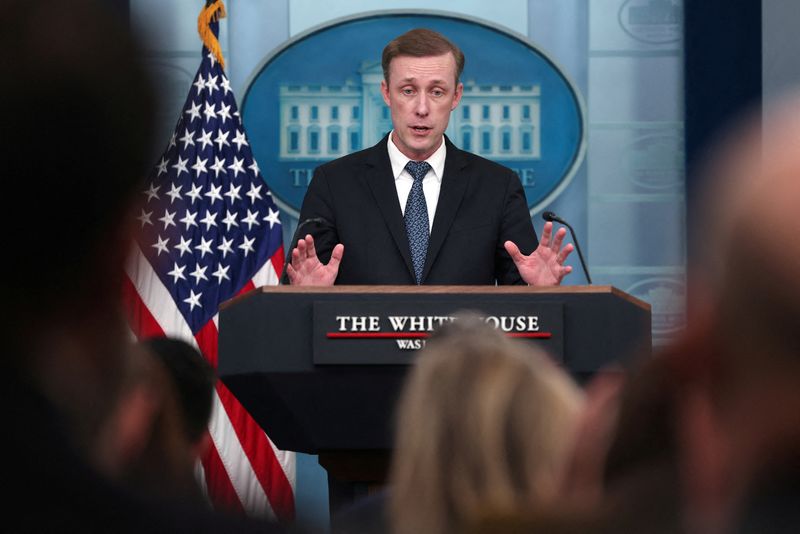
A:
[418,169]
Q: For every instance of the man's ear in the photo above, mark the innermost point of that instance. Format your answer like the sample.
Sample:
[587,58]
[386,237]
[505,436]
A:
[457,97]
[385,93]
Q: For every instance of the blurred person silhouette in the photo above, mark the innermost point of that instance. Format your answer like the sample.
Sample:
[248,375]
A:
[74,141]
[153,438]
[484,424]
[740,414]
[193,379]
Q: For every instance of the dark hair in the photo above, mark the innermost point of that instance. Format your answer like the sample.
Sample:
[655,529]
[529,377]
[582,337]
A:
[75,143]
[421,42]
[193,379]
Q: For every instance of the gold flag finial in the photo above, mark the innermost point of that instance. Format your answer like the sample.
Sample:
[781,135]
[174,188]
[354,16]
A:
[213,11]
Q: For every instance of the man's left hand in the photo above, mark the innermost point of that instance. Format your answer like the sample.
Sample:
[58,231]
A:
[545,265]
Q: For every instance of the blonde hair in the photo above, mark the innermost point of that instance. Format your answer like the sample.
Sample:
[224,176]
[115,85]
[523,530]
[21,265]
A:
[484,424]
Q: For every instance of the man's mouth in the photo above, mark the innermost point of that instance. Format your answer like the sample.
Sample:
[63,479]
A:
[420,129]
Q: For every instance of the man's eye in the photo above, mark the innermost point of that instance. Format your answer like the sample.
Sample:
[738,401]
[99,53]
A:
[408,91]
[437,92]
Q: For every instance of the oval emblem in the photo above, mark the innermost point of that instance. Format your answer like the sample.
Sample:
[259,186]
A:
[652,21]
[318,98]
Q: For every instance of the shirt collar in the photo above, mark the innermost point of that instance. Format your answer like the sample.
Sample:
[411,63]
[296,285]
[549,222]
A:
[399,160]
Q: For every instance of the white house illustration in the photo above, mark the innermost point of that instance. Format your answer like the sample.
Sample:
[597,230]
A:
[327,121]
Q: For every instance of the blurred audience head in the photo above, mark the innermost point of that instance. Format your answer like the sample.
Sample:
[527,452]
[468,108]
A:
[484,424]
[144,442]
[74,141]
[740,417]
[193,380]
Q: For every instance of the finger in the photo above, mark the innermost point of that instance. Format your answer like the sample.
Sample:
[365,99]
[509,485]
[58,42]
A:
[513,251]
[564,252]
[296,257]
[564,272]
[311,250]
[301,250]
[336,257]
[292,274]
[559,238]
[546,232]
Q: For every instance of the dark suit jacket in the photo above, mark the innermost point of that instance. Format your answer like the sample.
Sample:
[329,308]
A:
[481,205]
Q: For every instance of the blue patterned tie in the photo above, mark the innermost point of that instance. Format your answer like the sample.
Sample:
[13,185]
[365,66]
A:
[416,217]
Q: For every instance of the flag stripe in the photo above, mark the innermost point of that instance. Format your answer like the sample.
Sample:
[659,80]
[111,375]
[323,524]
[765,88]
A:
[219,483]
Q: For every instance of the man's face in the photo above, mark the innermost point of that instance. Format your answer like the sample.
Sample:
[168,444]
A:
[421,93]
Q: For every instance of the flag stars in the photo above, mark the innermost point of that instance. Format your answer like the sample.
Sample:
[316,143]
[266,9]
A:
[222,139]
[226,247]
[168,219]
[236,166]
[199,273]
[209,112]
[213,193]
[177,273]
[204,247]
[180,166]
[174,193]
[172,140]
[144,218]
[152,192]
[211,58]
[239,140]
[199,83]
[161,245]
[185,246]
[247,246]
[193,300]
[233,193]
[187,139]
[194,192]
[218,166]
[226,85]
[272,218]
[162,166]
[210,219]
[254,168]
[199,166]
[254,193]
[221,273]
[211,84]
[189,219]
[205,139]
[224,112]
[250,220]
[230,220]
[193,112]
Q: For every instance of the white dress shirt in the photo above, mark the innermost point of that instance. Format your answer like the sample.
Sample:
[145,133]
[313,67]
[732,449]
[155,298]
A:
[431,184]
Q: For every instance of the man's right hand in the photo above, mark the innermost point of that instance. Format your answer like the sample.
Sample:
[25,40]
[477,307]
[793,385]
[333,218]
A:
[306,269]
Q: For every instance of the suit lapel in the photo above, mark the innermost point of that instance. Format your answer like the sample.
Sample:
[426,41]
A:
[381,182]
[454,184]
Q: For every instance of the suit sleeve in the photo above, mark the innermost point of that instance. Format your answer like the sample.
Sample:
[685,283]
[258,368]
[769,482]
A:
[318,203]
[515,226]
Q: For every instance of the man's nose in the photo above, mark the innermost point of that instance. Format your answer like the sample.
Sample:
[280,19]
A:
[422,103]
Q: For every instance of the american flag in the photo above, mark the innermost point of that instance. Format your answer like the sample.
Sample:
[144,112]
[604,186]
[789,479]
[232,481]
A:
[209,231]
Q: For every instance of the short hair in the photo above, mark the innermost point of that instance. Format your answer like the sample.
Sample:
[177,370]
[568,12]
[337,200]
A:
[193,380]
[421,42]
[484,423]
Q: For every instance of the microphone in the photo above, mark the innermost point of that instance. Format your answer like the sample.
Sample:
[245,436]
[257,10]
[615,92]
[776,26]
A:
[549,216]
[293,244]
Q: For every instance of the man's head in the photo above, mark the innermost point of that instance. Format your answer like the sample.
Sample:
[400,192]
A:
[421,71]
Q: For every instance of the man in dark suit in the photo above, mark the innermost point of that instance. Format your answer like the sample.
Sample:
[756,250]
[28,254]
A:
[414,209]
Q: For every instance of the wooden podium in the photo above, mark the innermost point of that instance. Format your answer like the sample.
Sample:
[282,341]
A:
[321,368]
